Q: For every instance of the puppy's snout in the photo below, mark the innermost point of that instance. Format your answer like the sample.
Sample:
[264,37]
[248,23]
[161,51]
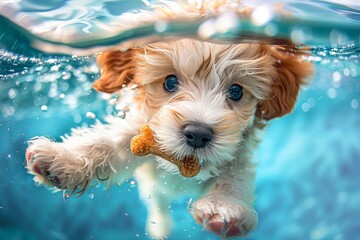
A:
[197,135]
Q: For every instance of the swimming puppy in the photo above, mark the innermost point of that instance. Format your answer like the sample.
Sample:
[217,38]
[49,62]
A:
[200,99]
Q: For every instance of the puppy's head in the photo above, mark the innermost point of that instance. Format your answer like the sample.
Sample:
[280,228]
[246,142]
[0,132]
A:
[203,97]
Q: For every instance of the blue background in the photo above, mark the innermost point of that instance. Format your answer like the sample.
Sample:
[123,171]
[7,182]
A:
[308,184]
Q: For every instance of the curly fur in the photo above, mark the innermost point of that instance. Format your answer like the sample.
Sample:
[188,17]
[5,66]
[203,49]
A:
[270,77]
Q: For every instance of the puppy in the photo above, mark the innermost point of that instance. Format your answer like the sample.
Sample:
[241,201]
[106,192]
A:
[200,99]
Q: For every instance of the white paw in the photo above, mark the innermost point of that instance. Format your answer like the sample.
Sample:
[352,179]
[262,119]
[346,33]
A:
[224,215]
[47,160]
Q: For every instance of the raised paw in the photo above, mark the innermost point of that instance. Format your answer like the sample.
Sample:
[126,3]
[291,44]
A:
[225,216]
[41,156]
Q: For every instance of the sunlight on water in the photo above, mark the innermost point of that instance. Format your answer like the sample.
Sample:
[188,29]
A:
[308,162]
[92,26]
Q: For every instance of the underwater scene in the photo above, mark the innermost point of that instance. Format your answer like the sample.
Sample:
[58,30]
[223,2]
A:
[308,173]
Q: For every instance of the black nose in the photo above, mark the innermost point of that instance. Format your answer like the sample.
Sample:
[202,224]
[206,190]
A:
[197,135]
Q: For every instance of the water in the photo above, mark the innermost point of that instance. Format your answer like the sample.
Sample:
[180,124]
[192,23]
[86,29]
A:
[307,182]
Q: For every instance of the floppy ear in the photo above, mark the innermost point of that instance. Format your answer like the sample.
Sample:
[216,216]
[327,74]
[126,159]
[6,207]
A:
[118,68]
[290,74]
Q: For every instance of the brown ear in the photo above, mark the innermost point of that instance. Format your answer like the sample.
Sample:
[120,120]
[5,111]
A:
[290,74]
[118,68]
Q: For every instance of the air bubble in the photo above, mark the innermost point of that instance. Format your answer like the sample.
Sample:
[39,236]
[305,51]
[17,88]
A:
[298,36]
[81,78]
[305,107]
[54,68]
[68,67]
[38,69]
[64,86]
[44,108]
[336,76]
[77,118]
[347,72]
[91,115]
[52,92]
[271,29]
[354,104]
[66,75]
[12,93]
[332,93]
[132,183]
[51,60]
[353,72]
[91,195]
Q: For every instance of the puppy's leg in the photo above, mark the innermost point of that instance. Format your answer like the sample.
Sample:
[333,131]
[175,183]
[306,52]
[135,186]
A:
[157,199]
[100,152]
[227,209]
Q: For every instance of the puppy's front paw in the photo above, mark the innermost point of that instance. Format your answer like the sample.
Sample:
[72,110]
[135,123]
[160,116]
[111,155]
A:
[47,161]
[224,215]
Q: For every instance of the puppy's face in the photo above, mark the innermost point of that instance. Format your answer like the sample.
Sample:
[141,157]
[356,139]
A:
[202,97]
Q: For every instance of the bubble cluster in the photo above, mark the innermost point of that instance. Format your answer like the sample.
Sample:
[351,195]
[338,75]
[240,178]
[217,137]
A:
[336,53]
[47,84]
[308,105]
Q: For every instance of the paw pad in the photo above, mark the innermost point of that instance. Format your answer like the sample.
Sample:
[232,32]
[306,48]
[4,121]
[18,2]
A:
[224,216]
[221,227]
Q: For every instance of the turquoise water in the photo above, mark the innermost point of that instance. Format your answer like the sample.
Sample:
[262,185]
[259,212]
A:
[309,161]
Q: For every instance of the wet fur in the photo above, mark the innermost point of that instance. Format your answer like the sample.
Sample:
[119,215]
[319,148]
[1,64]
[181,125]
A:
[271,78]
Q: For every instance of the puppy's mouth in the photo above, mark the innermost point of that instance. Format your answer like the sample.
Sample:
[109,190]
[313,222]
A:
[210,157]
[212,142]
[191,140]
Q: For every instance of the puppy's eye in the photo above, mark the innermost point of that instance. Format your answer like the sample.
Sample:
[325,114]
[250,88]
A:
[171,83]
[235,92]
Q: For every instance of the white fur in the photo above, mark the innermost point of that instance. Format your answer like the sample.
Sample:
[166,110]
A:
[225,184]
